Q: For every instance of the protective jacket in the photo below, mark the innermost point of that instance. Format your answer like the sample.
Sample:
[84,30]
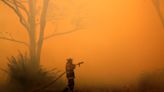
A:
[70,70]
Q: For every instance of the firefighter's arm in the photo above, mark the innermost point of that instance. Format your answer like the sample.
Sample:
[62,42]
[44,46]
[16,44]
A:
[79,63]
[74,66]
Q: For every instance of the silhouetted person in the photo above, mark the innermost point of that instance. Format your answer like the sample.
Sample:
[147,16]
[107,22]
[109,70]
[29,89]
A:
[70,75]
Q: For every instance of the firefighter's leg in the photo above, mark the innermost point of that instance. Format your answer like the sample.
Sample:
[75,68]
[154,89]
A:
[66,89]
[71,84]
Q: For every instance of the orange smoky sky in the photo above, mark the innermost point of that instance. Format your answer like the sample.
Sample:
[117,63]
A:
[121,40]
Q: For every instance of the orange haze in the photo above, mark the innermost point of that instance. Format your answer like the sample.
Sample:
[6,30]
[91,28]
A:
[121,40]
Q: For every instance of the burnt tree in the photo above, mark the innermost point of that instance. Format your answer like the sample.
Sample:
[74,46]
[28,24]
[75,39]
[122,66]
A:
[26,12]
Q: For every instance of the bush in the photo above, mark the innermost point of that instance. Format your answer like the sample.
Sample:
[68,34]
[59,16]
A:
[153,82]
[23,77]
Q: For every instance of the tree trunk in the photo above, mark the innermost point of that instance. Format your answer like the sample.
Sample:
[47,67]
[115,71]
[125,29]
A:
[42,28]
[36,47]
[32,33]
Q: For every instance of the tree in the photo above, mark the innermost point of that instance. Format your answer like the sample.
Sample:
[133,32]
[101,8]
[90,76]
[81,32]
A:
[157,6]
[26,12]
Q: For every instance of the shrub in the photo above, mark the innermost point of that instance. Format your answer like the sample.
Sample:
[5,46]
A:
[23,77]
[153,82]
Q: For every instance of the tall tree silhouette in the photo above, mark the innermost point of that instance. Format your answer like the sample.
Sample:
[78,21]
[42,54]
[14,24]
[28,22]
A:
[157,5]
[26,12]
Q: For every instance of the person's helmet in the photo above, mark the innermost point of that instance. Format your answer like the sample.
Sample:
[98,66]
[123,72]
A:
[69,60]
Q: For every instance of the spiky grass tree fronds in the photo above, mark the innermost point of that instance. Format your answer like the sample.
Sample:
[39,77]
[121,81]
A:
[24,77]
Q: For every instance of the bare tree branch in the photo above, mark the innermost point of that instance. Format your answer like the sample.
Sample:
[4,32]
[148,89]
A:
[14,40]
[16,10]
[22,19]
[76,28]
[20,5]
[156,3]
[63,33]
[23,8]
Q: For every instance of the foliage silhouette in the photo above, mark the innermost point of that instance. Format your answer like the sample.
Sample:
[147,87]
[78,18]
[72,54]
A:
[22,77]
[152,82]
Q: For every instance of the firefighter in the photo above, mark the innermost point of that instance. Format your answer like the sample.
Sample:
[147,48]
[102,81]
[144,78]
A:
[70,73]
